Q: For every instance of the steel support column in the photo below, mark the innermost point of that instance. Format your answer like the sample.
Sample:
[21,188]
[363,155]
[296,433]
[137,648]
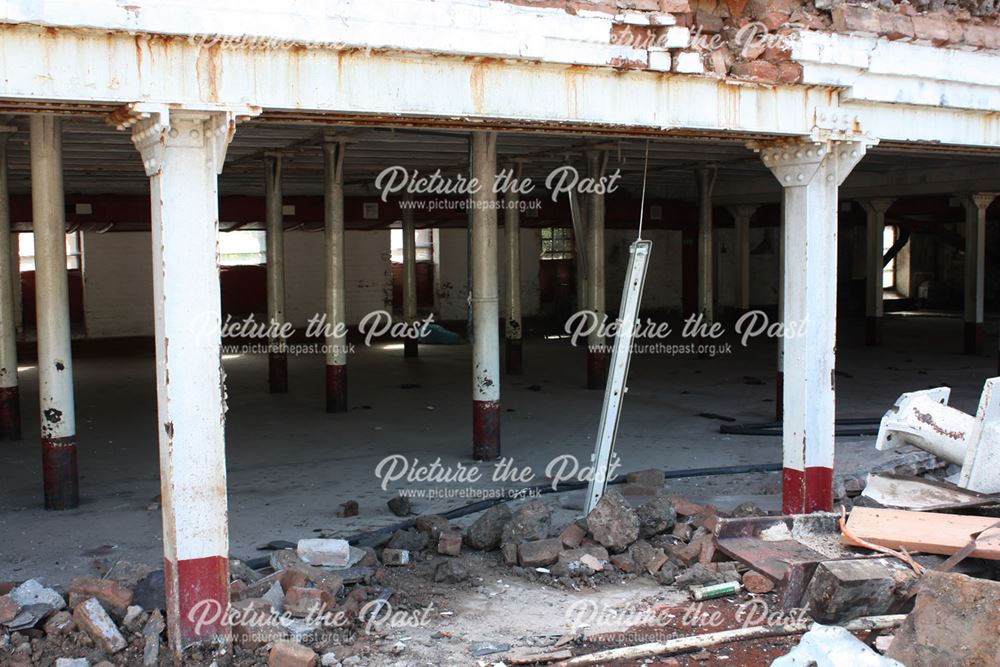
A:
[55,362]
[512,230]
[810,170]
[336,311]
[875,210]
[277,358]
[485,302]
[598,358]
[706,271]
[741,223]
[182,156]
[411,347]
[10,402]
[975,268]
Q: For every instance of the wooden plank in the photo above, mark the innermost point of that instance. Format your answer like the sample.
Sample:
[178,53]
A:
[923,531]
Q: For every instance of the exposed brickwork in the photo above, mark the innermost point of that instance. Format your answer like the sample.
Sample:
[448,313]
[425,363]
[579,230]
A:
[751,39]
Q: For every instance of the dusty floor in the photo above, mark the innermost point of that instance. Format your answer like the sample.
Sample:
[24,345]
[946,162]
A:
[291,465]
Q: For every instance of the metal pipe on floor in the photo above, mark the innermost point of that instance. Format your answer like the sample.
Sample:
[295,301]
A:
[10,399]
[336,312]
[485,302]
[55,360]
[411,346]
[512,230]
[277,358]
[598,358]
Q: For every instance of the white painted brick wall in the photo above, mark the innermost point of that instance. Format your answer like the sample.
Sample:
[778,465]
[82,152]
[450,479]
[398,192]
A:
[118,284]
[367,272]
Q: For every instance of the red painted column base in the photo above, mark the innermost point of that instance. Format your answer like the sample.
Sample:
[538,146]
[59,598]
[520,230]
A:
[793,491]
[512,357]
[10,413]
[973,338]
[336,388]
[873,331]
[485,430]
[59,473]
[197,592]
[277,372]
[819,489]
[806,491]
[779,397]
[411,348]
[597,369]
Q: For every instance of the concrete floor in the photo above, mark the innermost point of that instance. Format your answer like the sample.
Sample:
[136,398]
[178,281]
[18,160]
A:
[291,465]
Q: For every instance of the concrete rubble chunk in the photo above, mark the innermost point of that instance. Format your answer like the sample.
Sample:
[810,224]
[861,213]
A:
[698,575]
[613,522]
[400,506]
[72,662]
[291,654]
[409,539]
[319,551]
[485,532]
[450,572]
[431,525]
[954,622]
[656,516]
[151,652]
[90,617]
[155,625]
[539,553]
[841,590]
[35,602]
[647,557]
[528,523]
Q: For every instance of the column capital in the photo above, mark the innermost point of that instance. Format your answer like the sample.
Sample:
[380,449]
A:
[877,205]
[978,201]
[155,126]
[742,211]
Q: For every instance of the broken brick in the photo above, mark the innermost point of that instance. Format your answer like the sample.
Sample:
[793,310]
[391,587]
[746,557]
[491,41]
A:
[350,508]
[395,557]
[759,70]
[109,592]
[896,26]
[933,30]
[291,654]
[450,543]
[684,507]
[431,525]
[624,562]
[572,535]
[755,582]
[90,617]
[8,609]
[59,623]
[857,19]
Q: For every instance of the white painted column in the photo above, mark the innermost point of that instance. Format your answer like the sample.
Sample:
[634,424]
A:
[182,156]
[512,230]
[975,267]
[10,398]
[875,210]
[706,297]
[55,359]
[741,224]
[598,359]
[779,395]
[336,310]
[277,358]
[810,170]
[411,346]
[485,302]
